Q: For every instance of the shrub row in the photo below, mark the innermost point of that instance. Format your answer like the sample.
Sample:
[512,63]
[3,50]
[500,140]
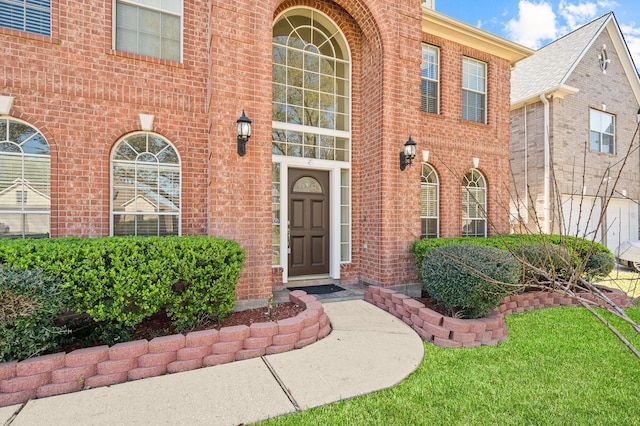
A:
[599,263]
[124,280]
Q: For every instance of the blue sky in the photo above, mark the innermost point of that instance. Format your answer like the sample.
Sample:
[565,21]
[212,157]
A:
[535,23]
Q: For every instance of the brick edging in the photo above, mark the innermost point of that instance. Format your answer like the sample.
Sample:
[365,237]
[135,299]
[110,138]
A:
[450,332]
[86,368]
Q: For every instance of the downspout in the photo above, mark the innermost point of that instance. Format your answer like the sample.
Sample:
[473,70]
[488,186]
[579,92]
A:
[546,228]
[526,168]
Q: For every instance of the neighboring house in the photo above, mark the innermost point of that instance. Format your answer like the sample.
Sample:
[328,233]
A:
[133,125]
[29,207]
[574,106]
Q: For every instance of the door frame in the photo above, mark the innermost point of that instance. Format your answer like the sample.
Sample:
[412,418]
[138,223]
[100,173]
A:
[334,168]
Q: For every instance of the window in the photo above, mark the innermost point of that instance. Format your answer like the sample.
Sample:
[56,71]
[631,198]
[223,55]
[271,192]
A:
[603,132]
[430,72]
[474,90]
[25,181]
[149,27]
[474,205]
[33,16]
[275,214]
[429,198]
[145,186]
[310,88]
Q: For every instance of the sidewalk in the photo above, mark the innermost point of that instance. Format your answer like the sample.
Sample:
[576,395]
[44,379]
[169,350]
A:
[367,350]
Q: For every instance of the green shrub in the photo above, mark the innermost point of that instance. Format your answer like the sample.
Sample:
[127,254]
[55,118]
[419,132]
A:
[469,280]
[598,265]
[123,280]
[555,260]
[30,302]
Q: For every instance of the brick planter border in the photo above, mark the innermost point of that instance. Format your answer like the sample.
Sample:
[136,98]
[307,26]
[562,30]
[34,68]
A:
[86,368]
[450,332]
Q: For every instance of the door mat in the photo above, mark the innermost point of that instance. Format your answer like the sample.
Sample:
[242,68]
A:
[318,289]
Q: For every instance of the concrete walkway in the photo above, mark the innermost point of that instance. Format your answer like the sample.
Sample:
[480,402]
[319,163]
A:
[367,350]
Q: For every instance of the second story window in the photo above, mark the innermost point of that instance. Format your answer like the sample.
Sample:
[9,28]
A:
[602,133]
[430,73]
[474,90]
[32,16]
[149,27]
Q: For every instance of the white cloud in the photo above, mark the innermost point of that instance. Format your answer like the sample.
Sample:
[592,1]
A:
[631,35]
[536,23]
[577,14]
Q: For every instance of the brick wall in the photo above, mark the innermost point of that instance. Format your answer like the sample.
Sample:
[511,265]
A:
[84,96]
[61,373]
[448,332]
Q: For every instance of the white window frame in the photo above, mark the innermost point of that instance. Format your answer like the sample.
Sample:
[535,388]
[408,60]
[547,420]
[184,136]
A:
[474,183]
[427,171]
[113,194]
[475,89]
[140,4]
[43,29]
[432,76]
[596,127]
[38,190]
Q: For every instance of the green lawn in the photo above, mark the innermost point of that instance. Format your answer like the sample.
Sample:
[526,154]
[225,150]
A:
[559,366]
[623,279]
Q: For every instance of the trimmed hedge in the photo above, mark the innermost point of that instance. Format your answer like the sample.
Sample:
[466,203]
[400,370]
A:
[124,280]
[30,302]
[470,281]
[600,263]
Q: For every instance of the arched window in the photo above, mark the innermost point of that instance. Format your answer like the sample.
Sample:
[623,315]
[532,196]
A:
[25,180]
[474,205]
[311,87]
[429,202]
[145,186]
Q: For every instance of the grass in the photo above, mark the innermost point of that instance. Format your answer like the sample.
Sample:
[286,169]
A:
[624,279]
[559,366]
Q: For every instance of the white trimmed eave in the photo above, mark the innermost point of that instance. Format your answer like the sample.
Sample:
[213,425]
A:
[445,27]
[559,92]
[625,58]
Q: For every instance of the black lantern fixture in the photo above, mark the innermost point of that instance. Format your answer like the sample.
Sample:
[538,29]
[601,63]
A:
[244,133]
[638,116]
[408,154]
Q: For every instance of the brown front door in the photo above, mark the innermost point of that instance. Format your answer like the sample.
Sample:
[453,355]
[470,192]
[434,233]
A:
[308,222]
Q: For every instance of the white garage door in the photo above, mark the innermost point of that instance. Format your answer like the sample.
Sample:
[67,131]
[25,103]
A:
[622,222]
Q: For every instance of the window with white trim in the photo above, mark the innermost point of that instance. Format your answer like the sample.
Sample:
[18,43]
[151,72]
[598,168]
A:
[275,214]
[430,73]
[149,27]
[474,90]
[474,204]
[145,186]
[602,132]
[429,202]
[32,16]
[25,181]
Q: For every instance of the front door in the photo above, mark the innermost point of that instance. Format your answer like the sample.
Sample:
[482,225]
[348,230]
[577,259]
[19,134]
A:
[308,222]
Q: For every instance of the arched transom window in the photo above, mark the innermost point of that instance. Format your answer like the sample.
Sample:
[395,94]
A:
[145,185]
[429,197]
[311,87]
[25,180]
[474,204]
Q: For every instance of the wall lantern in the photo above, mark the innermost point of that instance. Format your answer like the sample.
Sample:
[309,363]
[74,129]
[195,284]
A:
[244,133]
[408,154]
[638,116]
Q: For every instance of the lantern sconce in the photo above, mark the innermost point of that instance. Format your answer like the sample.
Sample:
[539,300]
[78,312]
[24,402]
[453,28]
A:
[243,125]
[638,116]
[409,153]
[476,162]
